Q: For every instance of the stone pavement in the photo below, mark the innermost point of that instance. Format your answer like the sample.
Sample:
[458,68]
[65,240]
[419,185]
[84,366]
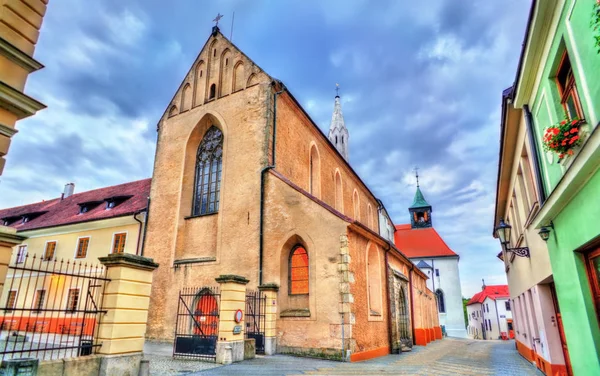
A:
[450,356]
[162,363]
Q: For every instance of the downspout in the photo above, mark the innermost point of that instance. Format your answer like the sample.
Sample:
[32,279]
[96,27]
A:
[497,316]
[137,246]
[389,304]
[412,302]
[145,227]
[534,148]
[433,275]
[262,189]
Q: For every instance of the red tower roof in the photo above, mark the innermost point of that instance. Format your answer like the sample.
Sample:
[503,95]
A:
[421,242]
[493,292]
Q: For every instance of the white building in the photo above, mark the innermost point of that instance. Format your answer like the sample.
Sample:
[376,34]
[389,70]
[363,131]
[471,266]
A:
[425,247]
[489,313]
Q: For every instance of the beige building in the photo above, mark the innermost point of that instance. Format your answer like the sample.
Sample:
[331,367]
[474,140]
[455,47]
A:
[246,184]
[66,236]
[536,320]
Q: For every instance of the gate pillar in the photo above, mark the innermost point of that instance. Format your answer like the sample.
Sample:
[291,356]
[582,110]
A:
[230,345]
[270,291]
[126,300]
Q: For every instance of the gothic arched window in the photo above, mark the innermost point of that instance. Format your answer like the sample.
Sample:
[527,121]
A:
[213,90]
[298,271]
[440,300]
[209,163]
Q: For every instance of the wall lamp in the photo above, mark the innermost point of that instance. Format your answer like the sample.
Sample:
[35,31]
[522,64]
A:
[503,233]
[545,231]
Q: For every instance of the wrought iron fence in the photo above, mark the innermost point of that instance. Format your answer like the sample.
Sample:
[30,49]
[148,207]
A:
[197,323]
[50,309]
[255,318]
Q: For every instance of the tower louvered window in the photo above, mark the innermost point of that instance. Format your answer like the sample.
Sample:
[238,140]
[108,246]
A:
[208,173]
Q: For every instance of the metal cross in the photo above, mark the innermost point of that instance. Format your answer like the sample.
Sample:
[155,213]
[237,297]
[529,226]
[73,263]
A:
[216,20]
[416,170]
[337,90]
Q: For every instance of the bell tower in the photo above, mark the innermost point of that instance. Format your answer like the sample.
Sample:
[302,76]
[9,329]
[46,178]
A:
[420,210]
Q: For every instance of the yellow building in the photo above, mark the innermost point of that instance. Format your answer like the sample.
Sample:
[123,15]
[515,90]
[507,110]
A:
[63,239]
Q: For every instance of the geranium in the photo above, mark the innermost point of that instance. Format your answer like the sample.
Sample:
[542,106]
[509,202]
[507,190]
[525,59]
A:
[561,138]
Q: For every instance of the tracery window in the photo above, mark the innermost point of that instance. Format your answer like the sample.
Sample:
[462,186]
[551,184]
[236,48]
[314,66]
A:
[440,300]
[298,271]
[208,173]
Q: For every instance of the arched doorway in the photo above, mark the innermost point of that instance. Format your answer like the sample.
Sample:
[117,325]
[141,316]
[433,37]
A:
[206,314]
[403,321]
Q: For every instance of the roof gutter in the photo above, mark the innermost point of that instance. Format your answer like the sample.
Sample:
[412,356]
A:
[524,46]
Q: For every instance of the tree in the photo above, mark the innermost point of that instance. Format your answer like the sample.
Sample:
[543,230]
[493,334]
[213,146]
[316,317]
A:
[465,301]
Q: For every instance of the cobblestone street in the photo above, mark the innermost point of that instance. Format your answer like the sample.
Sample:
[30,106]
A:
[447,357]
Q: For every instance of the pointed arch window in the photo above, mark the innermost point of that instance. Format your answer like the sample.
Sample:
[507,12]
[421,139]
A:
[298,271]
[213,90]
[208,173]
[440,301]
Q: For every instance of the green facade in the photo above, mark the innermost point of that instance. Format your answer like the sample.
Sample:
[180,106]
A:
[577,219]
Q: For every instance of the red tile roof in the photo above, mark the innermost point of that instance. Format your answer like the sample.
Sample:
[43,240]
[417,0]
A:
[493,292]
[421,242]
[57,212]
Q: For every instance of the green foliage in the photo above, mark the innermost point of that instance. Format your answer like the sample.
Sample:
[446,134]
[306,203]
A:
[595,24]
[465,301]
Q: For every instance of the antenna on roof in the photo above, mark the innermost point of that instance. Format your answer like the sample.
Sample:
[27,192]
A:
[231,34]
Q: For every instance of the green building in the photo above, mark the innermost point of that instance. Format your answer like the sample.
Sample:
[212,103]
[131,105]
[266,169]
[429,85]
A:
[559,76]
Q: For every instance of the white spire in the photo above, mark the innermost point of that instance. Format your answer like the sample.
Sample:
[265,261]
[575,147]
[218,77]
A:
[338,133]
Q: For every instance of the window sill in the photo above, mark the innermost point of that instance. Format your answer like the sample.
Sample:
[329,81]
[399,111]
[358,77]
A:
[302,312]
[200,215]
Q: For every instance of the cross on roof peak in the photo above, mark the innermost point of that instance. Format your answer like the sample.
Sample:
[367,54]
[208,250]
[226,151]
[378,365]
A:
[217,19]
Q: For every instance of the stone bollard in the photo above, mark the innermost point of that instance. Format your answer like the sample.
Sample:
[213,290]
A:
[230,344]
[126,299]
[270,290]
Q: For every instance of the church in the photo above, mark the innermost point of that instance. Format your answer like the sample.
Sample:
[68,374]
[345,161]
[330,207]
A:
[246,184]
[425,247]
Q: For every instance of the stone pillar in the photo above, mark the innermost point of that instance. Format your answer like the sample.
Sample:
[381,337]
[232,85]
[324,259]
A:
[270,291]
[230,346]
[126,299]
[8,239]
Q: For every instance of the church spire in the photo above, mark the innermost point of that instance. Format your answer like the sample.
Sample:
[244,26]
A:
[338,133]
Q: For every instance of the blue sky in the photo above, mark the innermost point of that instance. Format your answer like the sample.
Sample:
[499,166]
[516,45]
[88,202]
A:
[421,85]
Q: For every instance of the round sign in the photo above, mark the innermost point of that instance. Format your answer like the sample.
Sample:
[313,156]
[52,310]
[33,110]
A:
[238,316]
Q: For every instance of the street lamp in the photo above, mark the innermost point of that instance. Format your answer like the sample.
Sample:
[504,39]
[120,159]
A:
[503,233]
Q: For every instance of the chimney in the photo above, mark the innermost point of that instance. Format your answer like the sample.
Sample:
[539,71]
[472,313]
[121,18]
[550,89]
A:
[69,188]
[483,284]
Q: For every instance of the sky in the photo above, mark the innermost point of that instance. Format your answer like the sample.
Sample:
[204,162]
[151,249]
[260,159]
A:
[421,85]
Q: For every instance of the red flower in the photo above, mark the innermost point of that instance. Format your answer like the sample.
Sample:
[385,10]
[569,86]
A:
[555,130]
[566,133]
[570,152]
[574,122]
[563,122]
[574,130]
[561,156]
[575,138]
[564,143]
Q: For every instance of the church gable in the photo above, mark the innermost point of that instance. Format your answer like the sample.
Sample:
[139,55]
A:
[219,70]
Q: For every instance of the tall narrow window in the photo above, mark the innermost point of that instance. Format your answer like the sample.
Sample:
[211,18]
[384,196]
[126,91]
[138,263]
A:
[213,90]
[73,300]
[567,89]
[119,243]
[507,305]
[38,301]
[11,300]
[208,173]
[339,199]
[298,271]
[49,251]
[440,300]
[82,247]
[374,280]
[21,254]
[356,205]
[315,172]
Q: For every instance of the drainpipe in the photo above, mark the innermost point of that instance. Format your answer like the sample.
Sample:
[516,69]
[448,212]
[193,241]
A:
[145,228]
[412,302]
[137,246]
[534,148]
[389,308]
[262,189]
[497,316]
[433,275]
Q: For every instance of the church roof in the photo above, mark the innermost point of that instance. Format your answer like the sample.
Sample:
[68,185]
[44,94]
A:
[493,292]
[421,242]
[132,196]
[419,201]
[422,264]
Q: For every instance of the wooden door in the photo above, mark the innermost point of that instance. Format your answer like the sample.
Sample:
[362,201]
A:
[206,315]
[592,260]
[561,331]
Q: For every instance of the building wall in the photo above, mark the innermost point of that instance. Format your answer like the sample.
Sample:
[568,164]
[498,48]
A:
[449,282]
[20,27]
[567,206]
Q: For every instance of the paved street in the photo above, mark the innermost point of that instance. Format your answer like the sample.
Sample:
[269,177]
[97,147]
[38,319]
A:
[446,357]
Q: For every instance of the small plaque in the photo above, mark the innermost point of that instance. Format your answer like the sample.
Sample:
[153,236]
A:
[237,329]
[502,316]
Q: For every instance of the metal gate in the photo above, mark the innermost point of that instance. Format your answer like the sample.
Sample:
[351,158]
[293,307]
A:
[197,325]
[255,318]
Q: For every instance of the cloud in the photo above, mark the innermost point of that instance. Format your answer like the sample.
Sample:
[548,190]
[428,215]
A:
[420,86]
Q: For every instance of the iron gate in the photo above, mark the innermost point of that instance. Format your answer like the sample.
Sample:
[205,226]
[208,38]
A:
[255,318]
[197,325]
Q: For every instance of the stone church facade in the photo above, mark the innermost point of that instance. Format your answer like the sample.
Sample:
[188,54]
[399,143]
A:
[246,184]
